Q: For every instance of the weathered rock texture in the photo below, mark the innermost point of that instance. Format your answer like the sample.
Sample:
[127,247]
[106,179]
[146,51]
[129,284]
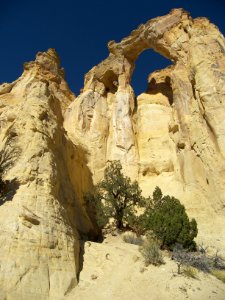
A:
[41,215]
[173,136]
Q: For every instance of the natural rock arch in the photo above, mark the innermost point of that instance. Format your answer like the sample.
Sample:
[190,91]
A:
[155,34]
[179,146]
[188,159]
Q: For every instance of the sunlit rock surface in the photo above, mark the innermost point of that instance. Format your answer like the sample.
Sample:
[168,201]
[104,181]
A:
[42,213]
[55,146]
[173,134]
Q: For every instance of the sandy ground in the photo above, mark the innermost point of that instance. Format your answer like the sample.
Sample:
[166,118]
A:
[115,270]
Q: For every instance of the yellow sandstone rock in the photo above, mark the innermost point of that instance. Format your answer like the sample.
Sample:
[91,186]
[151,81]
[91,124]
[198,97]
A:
[173,135]
[42,214]
[54,147]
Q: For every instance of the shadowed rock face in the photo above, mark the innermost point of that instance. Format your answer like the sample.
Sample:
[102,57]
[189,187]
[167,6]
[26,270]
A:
[53,146]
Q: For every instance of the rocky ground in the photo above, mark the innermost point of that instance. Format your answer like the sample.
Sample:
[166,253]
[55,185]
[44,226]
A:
[115,270]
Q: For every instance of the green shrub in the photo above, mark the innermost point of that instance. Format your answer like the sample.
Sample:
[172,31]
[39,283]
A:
[151,251]
[167,218]
[115,197]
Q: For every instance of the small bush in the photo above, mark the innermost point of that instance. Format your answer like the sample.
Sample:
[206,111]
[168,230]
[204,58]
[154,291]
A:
[151,252]
[218,261]
[190,272]
[167,218]
[192,259]
[131,238]
[219,274]
[199,260]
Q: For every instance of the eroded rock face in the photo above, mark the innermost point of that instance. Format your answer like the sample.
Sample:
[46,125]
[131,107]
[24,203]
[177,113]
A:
[42,214]
[173,135]
[54,147]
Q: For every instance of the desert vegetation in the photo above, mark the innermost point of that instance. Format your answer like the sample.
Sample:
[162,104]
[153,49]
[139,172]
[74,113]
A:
[151,251]
[166,217]
[118,199]
[155,223]
[132,238]
[189,262]
[3,188]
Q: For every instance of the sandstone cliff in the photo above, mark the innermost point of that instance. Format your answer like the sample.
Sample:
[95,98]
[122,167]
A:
[54,147]
[40,216]
[173,135]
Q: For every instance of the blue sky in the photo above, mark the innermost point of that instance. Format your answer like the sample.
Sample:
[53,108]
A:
[80,31]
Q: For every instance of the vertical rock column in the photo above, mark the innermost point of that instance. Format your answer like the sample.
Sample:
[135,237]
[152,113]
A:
[39,253]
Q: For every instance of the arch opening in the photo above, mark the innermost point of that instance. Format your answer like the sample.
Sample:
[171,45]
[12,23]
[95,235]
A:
[148,62]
